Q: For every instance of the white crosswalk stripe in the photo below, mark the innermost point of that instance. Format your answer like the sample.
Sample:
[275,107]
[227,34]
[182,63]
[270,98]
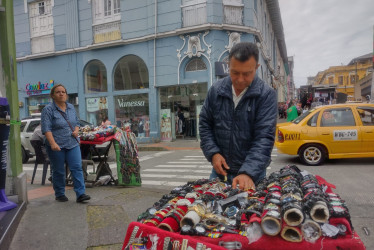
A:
[177,173]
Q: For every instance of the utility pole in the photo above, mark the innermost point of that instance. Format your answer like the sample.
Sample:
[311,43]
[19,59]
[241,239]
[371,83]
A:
[8,66]
[372,75]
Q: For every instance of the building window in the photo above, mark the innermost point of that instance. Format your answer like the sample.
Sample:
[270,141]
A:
[41,27]
[132,111]
[106,20]
[233,11]
[196,64]
[131,73]
[341,79]
[331,80]
[194,12]
[353,79]
[97,110]
[95,77]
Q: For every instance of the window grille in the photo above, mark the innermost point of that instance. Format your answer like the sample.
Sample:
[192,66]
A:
[195,64]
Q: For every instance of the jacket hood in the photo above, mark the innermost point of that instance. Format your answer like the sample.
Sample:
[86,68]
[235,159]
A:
[254,89]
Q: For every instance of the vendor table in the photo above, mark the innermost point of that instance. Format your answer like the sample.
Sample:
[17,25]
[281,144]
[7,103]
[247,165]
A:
[103,167]
[135,229]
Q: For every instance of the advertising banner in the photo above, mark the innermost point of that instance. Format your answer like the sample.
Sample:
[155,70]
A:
[165,125]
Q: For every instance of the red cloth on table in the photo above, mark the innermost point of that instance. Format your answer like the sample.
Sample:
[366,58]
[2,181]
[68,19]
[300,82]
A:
[105,139]
[265,242]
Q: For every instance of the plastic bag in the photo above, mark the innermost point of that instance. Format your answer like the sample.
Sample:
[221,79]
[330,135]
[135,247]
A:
[254,232]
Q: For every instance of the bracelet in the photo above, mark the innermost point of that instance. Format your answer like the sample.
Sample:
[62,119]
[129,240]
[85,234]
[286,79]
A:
[151,221]
[175,217]
[157,218]
[161,212]
[181,211]
[179,214]
[199,209]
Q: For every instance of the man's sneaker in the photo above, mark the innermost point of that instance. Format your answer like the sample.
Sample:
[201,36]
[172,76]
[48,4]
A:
[62,198]
[83,197]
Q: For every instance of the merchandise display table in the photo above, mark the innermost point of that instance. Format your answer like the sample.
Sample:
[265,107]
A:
[289,209]
[103,166]
[265,242]
[126,151]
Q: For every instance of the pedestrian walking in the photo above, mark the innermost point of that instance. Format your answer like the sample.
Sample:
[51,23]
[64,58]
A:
[291,112]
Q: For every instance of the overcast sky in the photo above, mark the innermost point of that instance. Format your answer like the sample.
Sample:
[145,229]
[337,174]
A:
[324,33]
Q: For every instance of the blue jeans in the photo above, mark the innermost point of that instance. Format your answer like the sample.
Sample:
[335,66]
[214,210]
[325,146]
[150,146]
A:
[231,176]
[74,160]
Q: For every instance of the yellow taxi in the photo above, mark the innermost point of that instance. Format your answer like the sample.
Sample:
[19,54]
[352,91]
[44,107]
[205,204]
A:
[333,131]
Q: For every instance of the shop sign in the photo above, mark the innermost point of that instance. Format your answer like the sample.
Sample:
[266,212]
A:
[124,104]
[222,68]
[39,88]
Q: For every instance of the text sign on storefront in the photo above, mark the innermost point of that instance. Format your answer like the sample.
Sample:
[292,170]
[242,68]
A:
[39,88]
[123,104]
[222,68]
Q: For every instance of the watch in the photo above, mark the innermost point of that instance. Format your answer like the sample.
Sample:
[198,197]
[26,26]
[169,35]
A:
[200,229]
[187,230]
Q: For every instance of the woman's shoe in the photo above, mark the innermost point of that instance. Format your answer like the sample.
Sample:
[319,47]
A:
[62,198]
[83,197]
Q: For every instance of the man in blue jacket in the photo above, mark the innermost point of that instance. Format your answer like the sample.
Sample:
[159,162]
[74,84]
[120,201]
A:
[237,121]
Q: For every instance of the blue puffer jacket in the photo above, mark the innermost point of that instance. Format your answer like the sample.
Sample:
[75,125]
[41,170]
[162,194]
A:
[243,135]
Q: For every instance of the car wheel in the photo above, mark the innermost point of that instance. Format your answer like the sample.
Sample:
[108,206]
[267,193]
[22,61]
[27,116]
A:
[25,157]
[312,154]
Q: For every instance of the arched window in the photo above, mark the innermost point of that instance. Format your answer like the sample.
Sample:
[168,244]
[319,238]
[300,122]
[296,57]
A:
[95,78]
[226,59]
[195,64]
[131,73]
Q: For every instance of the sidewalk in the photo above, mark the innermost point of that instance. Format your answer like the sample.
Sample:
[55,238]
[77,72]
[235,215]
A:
[101,223]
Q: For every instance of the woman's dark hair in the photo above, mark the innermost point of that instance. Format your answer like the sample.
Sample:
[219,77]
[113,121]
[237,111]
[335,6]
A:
[54,87]
[244,51]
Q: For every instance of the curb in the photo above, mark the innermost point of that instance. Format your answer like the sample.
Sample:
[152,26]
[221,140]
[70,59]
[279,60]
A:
[152,149]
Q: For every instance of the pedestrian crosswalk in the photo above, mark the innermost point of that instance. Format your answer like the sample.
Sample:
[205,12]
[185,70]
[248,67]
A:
[175,172]
[178,172]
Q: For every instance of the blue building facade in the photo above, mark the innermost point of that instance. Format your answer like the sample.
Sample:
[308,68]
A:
[144,64]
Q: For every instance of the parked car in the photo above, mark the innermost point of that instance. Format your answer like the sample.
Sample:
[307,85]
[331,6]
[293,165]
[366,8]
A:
[28,126]
[332,131]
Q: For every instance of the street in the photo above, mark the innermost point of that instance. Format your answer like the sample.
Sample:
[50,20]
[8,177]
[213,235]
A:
[163,170]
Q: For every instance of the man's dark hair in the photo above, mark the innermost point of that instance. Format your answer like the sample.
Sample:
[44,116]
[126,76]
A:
[244,51]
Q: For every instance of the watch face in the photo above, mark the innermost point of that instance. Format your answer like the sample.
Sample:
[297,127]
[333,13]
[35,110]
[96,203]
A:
[200,229]
[232,222]
[152,211]
[186,229]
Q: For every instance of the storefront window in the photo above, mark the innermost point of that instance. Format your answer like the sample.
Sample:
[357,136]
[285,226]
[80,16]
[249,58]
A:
[184,103]
[95,77]
[132,111]
[131,73]
[37,103]
[97,110]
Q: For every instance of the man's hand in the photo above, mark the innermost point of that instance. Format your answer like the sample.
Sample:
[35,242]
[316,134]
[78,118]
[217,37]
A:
[245,182]
[218,161]
[55,147]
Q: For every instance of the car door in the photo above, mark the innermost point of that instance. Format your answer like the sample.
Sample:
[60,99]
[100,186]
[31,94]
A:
[338,129]
[366,115]
[29,130]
